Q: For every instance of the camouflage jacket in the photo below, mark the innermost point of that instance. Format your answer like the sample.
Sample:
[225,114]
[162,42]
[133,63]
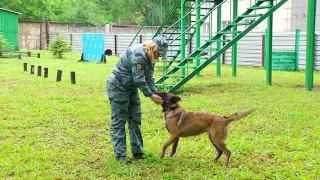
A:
[134,70]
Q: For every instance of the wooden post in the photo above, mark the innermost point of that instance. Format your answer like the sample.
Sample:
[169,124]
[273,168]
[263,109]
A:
[59,75]
[25,67]
[46,72]
[73,77]
[32,69]
[39,70]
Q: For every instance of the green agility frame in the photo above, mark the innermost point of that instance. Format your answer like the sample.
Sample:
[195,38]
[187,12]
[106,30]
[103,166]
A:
[181,32]
[217,38]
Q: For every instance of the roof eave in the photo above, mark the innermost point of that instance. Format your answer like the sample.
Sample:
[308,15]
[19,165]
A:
[9,11]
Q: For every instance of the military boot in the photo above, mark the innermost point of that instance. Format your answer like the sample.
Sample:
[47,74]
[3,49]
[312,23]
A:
[123,159]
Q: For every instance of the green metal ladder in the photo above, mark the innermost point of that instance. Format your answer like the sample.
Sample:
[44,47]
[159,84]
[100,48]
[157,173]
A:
[173,33]
[260,4]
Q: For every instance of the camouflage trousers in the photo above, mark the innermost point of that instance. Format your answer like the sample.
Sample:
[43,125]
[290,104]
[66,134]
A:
[125,107]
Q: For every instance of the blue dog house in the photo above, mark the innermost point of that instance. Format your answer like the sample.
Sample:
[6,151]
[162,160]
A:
[92,46]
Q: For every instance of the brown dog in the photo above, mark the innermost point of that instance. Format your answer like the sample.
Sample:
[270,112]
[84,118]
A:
[182,123]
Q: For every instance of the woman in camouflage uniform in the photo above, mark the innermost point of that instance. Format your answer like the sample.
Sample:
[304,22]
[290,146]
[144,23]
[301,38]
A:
[133,71]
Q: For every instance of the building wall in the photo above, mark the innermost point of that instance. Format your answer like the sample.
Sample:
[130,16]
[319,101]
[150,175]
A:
[300,14]
[9,28]
[29,35]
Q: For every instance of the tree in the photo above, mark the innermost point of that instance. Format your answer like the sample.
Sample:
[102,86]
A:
[59,46]
[54,10]
[4,45]
[137,10]
[93,12]
[87,12]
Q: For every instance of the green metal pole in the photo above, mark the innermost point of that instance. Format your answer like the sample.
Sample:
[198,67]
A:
[198,33]
[235,46]
[297,49]
[219,24]
[183,37]
[312,6]
[269,48]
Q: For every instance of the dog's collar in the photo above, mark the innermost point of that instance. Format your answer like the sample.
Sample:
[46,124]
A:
[171,113]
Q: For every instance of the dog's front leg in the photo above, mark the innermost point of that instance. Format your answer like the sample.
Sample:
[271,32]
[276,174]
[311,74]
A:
[170,141]
[174,146]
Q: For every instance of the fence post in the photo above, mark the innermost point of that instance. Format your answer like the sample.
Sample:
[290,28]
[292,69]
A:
[115,45]
[224,54]
[47,32]
[70,39]
[297,46]
[263,50]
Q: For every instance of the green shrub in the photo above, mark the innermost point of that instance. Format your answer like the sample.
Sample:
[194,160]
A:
[59,46]
[4,45]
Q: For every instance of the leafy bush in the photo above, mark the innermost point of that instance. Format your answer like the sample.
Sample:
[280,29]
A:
[59,46]
[4,45]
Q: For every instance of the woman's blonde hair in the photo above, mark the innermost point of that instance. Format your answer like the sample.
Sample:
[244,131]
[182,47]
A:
[150,47]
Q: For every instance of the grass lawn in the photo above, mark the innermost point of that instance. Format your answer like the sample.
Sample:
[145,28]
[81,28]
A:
[58,130]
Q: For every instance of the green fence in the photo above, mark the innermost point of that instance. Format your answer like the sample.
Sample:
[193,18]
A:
[285,61]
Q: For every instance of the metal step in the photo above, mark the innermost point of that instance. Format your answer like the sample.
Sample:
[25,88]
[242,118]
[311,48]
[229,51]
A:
[174,76]
[228,32]
[184,67]
[165,85]
[260,7]
[222,40]
[250,15]
[239,24]
[208,49]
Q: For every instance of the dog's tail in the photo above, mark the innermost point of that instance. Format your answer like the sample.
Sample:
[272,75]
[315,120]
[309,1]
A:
[238,115]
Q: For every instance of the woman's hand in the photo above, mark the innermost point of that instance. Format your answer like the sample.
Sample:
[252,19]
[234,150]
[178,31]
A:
[156,99]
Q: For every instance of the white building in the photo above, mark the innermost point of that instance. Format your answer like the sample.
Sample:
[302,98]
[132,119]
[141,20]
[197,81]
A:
[289,17]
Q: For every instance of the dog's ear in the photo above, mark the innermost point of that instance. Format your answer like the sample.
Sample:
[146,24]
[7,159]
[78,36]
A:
[175,99]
